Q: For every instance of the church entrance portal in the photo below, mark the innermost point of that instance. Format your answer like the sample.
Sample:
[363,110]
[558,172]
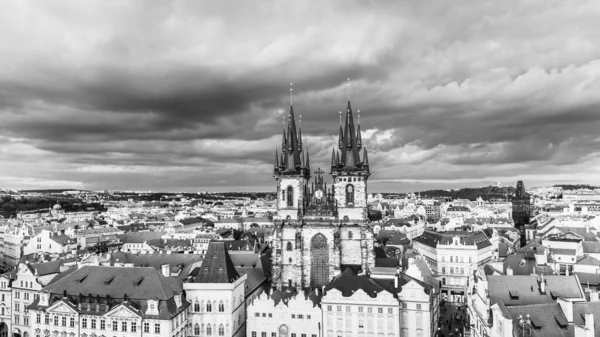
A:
[319,269]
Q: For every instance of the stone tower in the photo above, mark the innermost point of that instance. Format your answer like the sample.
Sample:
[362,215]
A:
[291,171]
[315,238]
[350,172]
[521,210]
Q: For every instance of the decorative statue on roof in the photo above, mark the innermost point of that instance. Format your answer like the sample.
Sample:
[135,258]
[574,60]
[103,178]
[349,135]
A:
[336,238]
[298,239]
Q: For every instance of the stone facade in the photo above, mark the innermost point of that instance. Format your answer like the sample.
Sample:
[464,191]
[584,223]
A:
[357,210]
[297,184]
[293,256]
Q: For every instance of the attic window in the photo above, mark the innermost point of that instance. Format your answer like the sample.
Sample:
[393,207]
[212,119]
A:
[138,282]
[562,321]
[109,280]
[81,279]
[514,295]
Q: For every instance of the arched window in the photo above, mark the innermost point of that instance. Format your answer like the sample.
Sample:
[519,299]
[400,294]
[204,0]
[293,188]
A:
[221,330]
[197,329]
[349,194]
[350,235]
[290,196]
[289,246]
[221,307]
[208,306]
[283,195]
[197,306]
[208,330]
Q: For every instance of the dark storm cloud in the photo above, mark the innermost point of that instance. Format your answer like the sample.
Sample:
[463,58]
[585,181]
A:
[194,92]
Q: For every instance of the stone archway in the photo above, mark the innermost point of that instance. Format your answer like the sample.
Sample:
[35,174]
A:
[319,268]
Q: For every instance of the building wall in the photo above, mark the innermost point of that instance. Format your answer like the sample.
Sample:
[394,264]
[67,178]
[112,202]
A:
[231,295]
[415,311]
[43,243]
[25,288]
[5,306]
[299,316]
[360,314]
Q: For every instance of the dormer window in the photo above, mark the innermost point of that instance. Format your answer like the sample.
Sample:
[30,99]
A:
[290,196]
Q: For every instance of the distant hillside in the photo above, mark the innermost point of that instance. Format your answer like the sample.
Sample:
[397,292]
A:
[576,187]
[486,193]
[52,191]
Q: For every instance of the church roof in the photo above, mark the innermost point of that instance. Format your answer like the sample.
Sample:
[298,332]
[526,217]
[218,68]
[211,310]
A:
[216,267]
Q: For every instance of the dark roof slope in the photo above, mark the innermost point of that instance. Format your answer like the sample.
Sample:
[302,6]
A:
[548,320]
[216,267]
[348,282]
[432,239]
[181,262]
[525,289]
[136,282]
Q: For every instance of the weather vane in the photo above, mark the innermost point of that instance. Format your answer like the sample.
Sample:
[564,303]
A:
[340,117]
[291,94]
[348,89]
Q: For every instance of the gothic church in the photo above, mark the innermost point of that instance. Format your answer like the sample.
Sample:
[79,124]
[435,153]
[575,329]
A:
[320,230]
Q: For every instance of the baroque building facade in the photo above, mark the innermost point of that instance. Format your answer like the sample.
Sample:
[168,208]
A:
[320,230]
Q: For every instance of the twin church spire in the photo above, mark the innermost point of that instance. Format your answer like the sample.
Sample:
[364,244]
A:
[293,160]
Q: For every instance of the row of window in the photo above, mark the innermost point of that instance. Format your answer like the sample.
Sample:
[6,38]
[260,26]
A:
[458,271]
[270,315]
[456,259]
[361,309]
[209,306]
[93,325]
[18,295]
[210,329]
[274,334]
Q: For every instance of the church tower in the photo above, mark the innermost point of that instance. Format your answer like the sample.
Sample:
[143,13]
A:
[291,171]
[350,171]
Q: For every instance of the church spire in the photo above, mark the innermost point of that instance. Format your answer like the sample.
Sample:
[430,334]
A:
[292,160]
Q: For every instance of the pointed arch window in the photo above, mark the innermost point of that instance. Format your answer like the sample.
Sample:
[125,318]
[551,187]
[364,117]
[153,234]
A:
[290,196]
[221,307]
[196,306]
[349,194]
[221,330]
[197,329]
[208,330]
[208,307]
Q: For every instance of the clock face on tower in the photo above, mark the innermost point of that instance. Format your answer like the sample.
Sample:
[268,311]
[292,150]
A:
[318,194]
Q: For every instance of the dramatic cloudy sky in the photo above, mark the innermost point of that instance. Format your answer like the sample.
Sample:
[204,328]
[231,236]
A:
[189,95]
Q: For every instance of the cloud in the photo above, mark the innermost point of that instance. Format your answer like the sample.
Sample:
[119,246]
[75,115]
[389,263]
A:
[191,94]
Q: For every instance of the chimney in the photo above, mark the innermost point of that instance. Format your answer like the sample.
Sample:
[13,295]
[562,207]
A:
[587,227]
[166,270]
[396,282]
[567,308]
[509,271]
[543,285]
[589,324]
[594,296]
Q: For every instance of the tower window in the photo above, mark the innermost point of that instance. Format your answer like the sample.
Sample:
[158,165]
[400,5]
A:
[289,246]
[349,194]
[290,196]
[283,195]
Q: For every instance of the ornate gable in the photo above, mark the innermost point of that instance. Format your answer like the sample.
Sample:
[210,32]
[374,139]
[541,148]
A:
[63,307]
[122,311]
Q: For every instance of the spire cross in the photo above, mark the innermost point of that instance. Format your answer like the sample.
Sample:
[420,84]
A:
[319,172]
[340,118]
[358,116]
[291,94]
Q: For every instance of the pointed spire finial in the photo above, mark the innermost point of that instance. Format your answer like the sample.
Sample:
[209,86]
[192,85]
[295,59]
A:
[358,117]
[340,117]
[348,88]
[291,94]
